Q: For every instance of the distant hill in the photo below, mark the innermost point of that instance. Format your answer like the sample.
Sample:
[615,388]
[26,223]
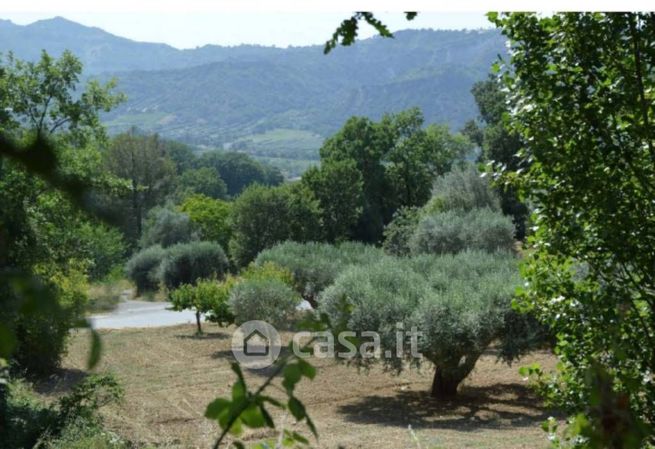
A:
[240,96]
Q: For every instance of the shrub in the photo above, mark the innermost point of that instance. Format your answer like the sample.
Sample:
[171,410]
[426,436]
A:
[452,231]
[186,263]
[463,190]
[28,422]
[143,269]
[266,299]
[460,304]
[41,338]
[166,227]
[103,246]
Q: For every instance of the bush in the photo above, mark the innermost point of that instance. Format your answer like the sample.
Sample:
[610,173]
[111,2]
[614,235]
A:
[463,190]
[143,269]
[186,263]
[72,421]
[453,231]
[315,266]
[42,337]
[103,246]
[267,299]
[460,304]
[166,227]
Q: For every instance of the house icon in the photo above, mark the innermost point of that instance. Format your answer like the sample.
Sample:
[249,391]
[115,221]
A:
[256,344]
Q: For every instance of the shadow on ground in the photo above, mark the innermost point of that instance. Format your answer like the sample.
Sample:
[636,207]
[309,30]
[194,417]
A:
[205,336]
[61,381]
[476,407]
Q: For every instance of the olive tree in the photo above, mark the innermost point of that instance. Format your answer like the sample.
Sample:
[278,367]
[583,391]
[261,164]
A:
[451,232]
[263,298]
[186,263]
[315,266]
[459,304]
[143,269]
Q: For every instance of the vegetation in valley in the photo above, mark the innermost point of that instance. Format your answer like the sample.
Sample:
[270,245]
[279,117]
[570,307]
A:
[529,228]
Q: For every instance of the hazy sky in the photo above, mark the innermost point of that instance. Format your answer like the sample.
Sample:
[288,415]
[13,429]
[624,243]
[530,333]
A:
[191,28]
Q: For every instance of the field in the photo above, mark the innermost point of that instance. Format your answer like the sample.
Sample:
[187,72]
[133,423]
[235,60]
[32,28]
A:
[170,376]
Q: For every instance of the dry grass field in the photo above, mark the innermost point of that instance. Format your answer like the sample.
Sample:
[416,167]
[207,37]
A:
[170,376]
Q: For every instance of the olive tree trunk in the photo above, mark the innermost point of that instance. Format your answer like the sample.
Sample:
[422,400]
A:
[450,373]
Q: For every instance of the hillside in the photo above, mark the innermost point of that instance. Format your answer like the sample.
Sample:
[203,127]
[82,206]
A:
[238,96]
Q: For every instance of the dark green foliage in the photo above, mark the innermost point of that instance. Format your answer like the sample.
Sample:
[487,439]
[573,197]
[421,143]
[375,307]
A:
[143,269]
[103,246]
[454,231]
[399,231]
[204,181]
[398,160]
[165,227]
[500,145]
[186,263]
[337,185]
[261,298]
[28,421]
[582,88]
[263,216]
[239,170]
[142,162]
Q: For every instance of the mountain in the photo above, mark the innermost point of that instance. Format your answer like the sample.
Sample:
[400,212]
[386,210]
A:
[271,102]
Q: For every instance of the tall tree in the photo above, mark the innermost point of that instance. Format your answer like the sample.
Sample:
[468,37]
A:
[41,96]
[582,85]
[263,216]
[338,187]
[361,141]
[143,162]
[500,145]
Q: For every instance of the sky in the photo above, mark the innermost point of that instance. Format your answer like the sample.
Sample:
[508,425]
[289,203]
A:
[191,27]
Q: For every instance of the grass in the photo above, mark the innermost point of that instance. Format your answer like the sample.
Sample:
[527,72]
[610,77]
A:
[170,376]
[105,296]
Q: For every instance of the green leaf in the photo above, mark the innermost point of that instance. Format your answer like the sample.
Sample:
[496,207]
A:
[238,391]
[267,417]
[296,408]
[236,428]
[217,407]
[253,417]
[306,369]
[292,375]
